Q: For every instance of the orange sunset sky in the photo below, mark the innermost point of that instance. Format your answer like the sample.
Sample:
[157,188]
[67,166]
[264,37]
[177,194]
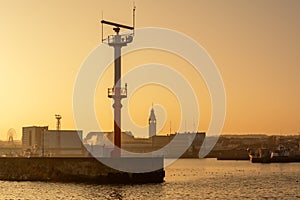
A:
[255,45]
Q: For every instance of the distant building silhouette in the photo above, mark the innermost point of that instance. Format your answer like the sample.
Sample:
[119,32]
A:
[40,141]
[100,144]
[152,123]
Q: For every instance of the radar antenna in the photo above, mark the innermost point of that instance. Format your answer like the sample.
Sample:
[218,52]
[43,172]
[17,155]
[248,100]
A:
[124,38]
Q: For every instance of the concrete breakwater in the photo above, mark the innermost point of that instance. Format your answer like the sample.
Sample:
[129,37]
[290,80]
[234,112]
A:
[79,170]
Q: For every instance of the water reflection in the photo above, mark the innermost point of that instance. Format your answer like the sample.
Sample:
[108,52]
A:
[187,178]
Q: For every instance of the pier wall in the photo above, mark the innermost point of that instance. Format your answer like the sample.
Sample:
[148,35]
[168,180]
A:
[75,170]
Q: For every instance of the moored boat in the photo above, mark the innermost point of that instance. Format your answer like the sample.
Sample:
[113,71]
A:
[261,155]
[279,155]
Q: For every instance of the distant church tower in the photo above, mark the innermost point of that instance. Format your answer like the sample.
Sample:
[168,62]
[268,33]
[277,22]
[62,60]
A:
[152,123]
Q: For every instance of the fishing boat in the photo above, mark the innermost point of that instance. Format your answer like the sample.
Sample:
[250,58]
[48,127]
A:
[281,154]
[261,155]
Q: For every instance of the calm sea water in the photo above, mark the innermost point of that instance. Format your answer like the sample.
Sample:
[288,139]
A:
[185,179]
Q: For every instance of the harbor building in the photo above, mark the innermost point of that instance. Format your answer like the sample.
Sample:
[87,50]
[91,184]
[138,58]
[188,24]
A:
[32,136]
[40,141]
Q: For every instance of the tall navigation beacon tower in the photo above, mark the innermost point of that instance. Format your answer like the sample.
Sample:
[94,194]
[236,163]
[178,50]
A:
[117,92]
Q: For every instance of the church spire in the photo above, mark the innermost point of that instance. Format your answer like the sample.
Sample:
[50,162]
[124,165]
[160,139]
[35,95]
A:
[152,123]
[152,116]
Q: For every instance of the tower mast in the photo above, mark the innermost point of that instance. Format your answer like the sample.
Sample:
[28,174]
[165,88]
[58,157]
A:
[117,92]
[58,118]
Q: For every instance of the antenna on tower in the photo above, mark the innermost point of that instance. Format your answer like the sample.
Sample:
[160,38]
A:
[58,118]
[102,26]
[133,17]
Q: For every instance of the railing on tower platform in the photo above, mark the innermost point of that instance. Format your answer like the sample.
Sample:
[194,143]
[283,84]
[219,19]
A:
[120,39]
[113,92]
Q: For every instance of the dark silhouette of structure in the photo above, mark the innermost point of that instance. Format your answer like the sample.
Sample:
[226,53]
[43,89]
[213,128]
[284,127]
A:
[152,123]
[10,135]
[117,92]
[58,125]
[39,141]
